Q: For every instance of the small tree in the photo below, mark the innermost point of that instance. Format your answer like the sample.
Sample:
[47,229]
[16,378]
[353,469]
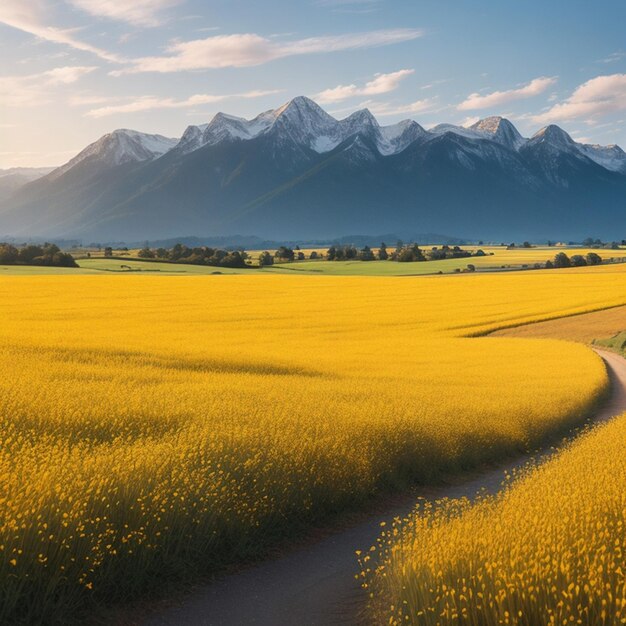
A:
[383,255]
[549,265]
[145,253]
[593,259]
[108,251]
[265,258]
[313,255]
[8,254]
[366,254]
[578,260]
[350,252]
[562,260]
[284,254]
[471,267]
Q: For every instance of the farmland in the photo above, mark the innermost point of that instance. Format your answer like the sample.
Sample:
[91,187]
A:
[158,428]
[497,258]
[548,550]
[583,328]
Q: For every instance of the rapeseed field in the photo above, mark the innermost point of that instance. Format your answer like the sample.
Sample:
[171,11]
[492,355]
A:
[551,549]
[155,428]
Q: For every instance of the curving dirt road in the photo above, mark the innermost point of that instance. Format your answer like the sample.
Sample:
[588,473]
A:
[314,585]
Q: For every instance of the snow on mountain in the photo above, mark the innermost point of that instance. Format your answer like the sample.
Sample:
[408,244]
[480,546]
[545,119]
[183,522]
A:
[611,157]
[119,147]
[396,137]
[441,129]
[554,137]
[301,123]
[500,130]
[554,153]
[191,139]
[307,124]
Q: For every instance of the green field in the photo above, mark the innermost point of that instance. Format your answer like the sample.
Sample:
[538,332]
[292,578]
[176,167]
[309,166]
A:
[616,343]
[496,258]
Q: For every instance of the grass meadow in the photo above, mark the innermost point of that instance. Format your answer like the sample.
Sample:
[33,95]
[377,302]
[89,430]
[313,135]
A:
[155,429]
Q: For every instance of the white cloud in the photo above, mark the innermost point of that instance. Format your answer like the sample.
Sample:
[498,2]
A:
[250,49]
[29,17]
[135,12]
[34,89]
[469,121]
[614,57]
[66,75]
[440,81]
[150,103]
[381,83]
[83,99]
[596,98]
[497,98]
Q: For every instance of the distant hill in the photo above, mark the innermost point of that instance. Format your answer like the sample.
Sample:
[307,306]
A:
[296,173]
[15,177]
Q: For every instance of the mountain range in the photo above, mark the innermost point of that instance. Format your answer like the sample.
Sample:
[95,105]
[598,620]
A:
[15,177]
[296,172]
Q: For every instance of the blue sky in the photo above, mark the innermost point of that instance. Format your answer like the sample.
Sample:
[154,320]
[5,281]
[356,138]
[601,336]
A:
[72,70]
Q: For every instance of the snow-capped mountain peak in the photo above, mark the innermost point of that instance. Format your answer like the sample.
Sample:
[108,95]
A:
[307,124]
[554,136]
[360,119]
[500,130]
[611,157]
[304,124]
[120,146]
[303,108]
[396,137]
[192,138]
[442,129]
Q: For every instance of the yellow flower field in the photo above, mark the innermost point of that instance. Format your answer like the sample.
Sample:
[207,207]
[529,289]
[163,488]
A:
[550,550]
[158,427]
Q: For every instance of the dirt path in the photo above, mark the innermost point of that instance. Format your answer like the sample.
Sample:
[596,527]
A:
[314,585]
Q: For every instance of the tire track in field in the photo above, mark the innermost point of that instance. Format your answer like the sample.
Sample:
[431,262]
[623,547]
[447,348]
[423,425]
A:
[314,584]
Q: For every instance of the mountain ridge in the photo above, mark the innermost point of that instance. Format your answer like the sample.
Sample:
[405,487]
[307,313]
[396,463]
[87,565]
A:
[297,172]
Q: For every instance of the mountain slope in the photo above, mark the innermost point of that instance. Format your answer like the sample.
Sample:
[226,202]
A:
[15,177]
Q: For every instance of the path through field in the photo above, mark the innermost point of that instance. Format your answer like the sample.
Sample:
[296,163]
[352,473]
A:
[314,585]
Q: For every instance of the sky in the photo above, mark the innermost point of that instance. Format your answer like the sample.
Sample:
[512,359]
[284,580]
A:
[73,70]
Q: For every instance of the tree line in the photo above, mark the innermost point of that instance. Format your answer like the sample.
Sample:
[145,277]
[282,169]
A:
[403,253]
[203,255]
[47,254]
[576,260]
